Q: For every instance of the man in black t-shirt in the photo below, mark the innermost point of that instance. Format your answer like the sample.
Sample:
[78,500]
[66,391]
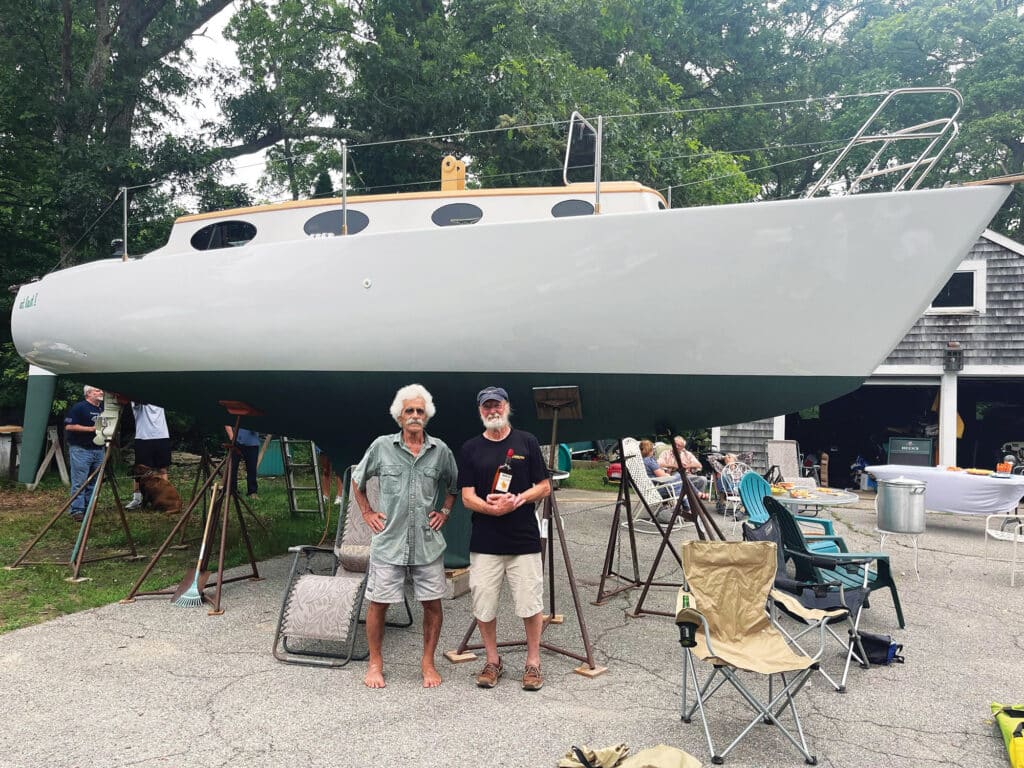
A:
[84,455]
[505,541]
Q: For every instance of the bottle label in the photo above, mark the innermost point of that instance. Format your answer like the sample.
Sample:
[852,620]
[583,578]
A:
[503,482]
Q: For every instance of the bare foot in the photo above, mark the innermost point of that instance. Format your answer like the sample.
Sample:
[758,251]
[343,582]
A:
[374,677]
[431,677]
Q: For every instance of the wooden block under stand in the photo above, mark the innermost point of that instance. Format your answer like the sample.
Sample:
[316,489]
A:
[457,582]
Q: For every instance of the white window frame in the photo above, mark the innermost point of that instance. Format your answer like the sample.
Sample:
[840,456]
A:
[979,267]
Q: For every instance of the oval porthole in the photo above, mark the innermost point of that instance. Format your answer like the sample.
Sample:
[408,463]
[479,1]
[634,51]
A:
[572,208]
[456,214]
[329,223]
[223,234]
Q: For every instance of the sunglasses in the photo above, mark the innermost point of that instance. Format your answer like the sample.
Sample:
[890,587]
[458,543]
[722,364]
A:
[417,411]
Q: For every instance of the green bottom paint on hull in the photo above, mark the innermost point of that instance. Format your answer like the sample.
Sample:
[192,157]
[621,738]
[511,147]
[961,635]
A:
[343,411]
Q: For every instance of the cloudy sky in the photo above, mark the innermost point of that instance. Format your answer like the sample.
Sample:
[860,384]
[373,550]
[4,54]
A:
[211,46]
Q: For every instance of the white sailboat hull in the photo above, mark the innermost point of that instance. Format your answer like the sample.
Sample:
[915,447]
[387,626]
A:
[688,300]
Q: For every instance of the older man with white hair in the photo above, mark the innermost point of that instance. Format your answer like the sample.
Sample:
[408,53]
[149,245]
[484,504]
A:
[502,477]
[692,465]
[413,467]
[85,456]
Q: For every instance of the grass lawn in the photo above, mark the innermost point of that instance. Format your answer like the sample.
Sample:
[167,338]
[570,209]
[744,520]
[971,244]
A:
[587,476]
[35,593]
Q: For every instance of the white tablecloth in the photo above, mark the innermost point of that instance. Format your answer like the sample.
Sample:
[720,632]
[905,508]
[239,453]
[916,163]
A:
[958,492]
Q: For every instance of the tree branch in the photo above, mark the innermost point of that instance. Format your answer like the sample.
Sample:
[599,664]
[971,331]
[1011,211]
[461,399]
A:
[277,133]
[100,64]
[183,30]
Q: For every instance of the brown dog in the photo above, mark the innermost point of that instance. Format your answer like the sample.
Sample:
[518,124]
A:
[157,492]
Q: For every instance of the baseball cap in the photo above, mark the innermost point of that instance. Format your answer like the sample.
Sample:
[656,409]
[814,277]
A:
[491,393]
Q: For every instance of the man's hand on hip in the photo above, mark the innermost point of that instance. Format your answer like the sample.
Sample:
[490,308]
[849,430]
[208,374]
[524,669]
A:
[376,520]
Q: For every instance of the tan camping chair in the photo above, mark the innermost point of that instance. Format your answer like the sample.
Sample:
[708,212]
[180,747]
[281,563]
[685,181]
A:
[320,615]
[723,621]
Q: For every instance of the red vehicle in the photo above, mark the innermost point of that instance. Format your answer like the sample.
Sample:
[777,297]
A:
[614,473]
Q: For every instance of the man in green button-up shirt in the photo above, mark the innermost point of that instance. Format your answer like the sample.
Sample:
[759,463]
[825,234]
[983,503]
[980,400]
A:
[412,468]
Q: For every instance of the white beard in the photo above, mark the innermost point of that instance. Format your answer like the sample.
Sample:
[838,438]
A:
[494,422]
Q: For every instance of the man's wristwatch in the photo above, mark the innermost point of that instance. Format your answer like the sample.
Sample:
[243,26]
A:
[445,511]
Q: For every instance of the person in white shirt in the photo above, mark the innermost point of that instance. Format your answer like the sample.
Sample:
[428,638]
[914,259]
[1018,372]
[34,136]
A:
[691,464]
[152,444]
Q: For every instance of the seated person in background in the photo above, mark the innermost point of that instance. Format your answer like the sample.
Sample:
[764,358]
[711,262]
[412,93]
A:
[691,464]
[653,470]
[718,467]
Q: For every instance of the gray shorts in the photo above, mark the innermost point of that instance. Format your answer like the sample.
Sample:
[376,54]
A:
[385,583]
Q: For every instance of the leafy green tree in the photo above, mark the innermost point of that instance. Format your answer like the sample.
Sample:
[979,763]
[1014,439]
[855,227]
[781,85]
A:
[291,77]
[323,187]
[976,46]
[707,97]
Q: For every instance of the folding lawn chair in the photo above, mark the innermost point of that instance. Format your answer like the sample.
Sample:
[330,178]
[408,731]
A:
[784,463]
[657,495]
[722,621]
[320,615]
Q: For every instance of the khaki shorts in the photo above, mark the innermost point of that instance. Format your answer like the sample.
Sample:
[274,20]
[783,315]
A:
[525,579]
[385,583]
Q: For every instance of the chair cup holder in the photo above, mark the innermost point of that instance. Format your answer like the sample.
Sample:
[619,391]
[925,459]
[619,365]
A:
[687,634]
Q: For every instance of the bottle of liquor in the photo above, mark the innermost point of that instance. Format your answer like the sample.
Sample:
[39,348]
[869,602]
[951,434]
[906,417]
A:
[503,475]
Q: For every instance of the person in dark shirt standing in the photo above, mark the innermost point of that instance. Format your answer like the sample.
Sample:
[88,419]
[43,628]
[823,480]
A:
[248,445]
[505,540]
[84,455]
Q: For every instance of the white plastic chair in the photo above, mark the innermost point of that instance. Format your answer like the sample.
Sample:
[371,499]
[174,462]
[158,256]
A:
[731,476]
[1006,528]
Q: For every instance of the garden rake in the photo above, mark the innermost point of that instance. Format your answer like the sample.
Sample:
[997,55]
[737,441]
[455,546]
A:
[193,595]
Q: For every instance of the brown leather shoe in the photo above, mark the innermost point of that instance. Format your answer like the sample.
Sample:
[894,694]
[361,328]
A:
[533,680]
[488,677]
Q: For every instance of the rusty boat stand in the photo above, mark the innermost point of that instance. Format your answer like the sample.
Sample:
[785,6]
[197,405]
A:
[697,514]
[229,496]
[102,474]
